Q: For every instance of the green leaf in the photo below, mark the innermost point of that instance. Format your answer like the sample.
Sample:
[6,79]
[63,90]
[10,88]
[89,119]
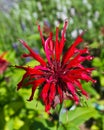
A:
[95,73]
[61,127]
[97,62]
[68,126]
[15,106]
[71,126]
[78,116]
[102,80]
[94,44]
[9,125]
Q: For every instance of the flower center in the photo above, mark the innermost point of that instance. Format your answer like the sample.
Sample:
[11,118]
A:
[54,71]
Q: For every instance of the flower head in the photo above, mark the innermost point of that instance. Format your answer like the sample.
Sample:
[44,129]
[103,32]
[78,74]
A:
[59,77]
[3,63]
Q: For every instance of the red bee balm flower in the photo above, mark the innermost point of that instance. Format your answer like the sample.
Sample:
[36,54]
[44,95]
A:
[3,63]
[58,77]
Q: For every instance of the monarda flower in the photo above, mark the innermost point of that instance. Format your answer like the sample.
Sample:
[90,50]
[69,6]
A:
[3,63]
[59,76]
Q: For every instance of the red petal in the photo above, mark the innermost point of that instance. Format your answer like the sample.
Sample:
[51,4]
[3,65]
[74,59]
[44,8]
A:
[49,48]
[33,54]
[39,67]
[44,92]
[29,73]
[87,78]
[73,91]
[61,45]
[51,44]
[52,93]
[80,87]
[71,88]
[60,93]
[78,60]
[47,108]
[21,82]
[71,50]
[35,83]
[45,97]
[57,52]
[32,94]
[33,71]
[41,35]
[81,74]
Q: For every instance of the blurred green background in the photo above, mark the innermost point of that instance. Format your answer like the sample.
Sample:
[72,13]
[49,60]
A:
[18,20]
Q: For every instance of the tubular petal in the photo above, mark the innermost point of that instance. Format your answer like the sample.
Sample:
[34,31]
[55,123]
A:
[71,50]
[57,53]
[73,91]
[47,108]
[21,82]
[44,92]
[80,87]
[41,35]
[48,51]
[33,54]
[77,60]
[60,92]
[35,83]
[61,45]
[52,93]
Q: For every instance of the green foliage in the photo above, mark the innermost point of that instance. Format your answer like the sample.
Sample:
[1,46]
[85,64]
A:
[77,117]
[19,21]
[69,126]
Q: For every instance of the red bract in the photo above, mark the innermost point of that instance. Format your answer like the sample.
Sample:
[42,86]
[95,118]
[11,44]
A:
[3,63]
[59,77]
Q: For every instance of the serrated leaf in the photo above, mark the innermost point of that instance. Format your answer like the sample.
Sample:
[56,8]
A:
[78,116]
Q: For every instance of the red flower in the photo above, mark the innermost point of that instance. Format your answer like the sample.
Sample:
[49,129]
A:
[58,77]
[3,63]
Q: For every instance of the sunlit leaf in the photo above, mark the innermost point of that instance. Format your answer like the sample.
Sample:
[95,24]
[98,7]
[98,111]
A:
[78,116]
